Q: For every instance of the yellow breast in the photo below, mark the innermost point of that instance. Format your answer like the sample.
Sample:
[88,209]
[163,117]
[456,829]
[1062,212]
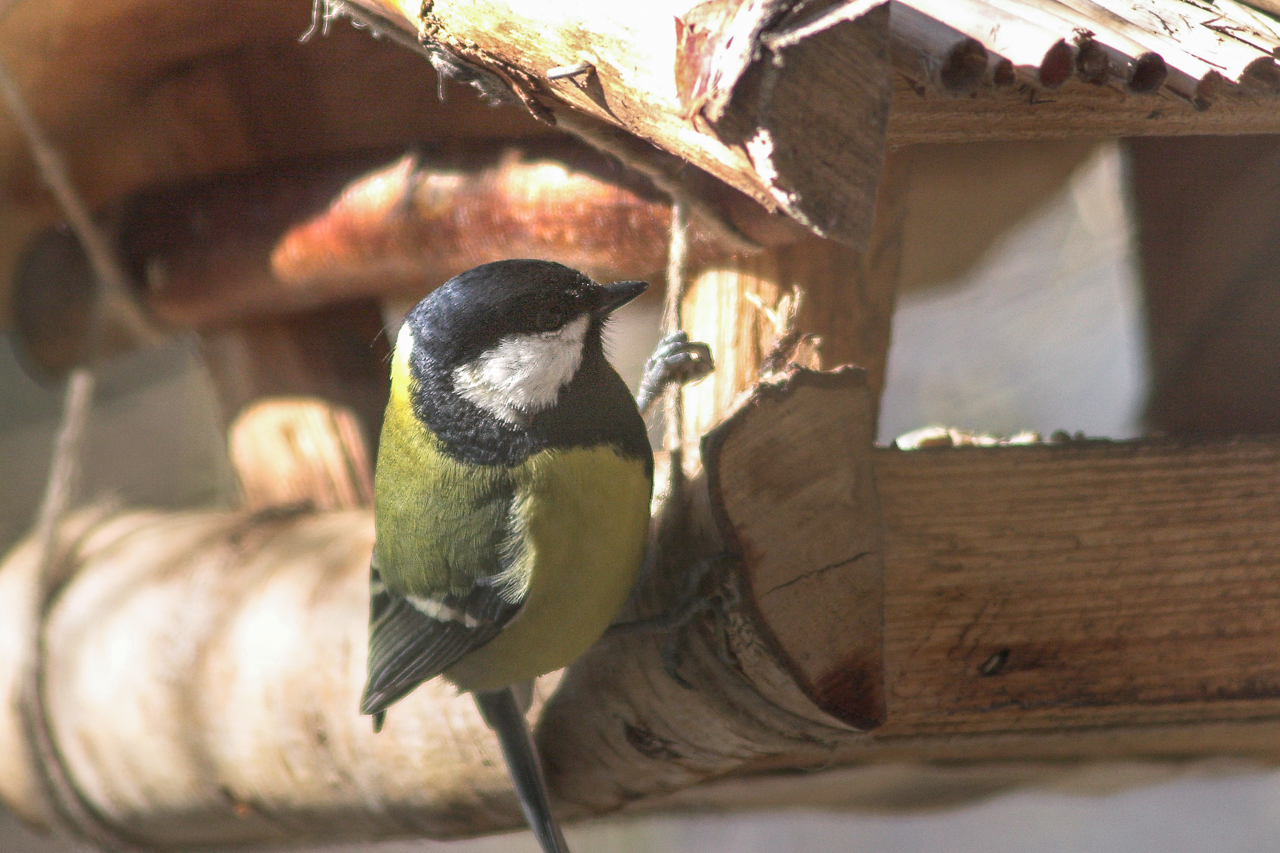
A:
[581,521]
[584,514]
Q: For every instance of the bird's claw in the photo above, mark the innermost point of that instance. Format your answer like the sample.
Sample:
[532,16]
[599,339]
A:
[707,588]
[677,360]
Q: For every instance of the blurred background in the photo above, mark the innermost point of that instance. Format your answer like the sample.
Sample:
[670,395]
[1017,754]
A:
[1040,329]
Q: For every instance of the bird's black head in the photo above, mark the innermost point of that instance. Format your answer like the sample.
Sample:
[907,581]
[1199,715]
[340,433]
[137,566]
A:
[507,356]
[505,301]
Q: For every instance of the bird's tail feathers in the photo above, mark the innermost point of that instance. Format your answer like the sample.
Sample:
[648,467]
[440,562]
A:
[503,714]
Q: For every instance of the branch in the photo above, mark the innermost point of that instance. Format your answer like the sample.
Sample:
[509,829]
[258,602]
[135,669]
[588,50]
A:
[203,670]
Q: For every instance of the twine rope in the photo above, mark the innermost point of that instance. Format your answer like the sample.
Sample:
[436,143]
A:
[673,321]
[74,815]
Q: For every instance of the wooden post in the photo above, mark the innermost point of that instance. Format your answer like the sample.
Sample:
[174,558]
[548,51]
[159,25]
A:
[338,353]
[1208,214]
[815,302]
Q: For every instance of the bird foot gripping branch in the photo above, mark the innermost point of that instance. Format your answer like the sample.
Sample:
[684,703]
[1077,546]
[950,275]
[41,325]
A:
[676,360]
[707,588]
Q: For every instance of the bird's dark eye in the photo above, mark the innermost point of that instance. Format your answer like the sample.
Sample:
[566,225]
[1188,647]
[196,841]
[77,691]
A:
[549,318]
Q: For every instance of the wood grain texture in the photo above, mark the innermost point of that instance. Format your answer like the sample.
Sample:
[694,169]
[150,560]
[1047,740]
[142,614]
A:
[1096,584]
[818,589]
[145,93]
[1077,109]
[758,676]
[1088,601]
[743,72]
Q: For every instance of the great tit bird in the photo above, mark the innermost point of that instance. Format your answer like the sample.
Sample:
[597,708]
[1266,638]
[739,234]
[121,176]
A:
[512,494]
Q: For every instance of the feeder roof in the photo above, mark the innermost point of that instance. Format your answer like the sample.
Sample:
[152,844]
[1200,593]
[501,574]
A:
[140,93]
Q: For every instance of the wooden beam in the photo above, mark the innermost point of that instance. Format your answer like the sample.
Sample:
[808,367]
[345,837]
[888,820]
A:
[1072,602]
[261,245]
[226,91]
[1046,588]
[257,246]
[1088,601]
[1078,109]
[1109,86]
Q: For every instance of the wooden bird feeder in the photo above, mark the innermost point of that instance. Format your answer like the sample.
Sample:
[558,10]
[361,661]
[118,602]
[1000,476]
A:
[997,607]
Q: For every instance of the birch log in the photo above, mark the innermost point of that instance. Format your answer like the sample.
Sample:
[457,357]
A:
[202,671]
[814,302]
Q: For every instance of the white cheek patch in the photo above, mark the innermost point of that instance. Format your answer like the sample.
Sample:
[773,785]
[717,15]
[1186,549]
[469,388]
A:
[523,373]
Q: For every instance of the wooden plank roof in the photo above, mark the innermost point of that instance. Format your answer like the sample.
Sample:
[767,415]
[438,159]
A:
[138,93]
[1192,49]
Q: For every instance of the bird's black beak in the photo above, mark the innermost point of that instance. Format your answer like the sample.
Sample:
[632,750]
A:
[618,294]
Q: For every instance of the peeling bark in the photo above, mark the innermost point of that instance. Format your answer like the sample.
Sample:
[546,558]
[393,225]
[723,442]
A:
[754,94]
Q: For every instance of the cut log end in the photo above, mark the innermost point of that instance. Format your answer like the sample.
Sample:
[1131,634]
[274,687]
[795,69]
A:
[772,467]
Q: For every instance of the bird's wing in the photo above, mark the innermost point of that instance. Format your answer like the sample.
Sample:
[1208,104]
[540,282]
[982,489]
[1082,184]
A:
[437,587]
[414,638]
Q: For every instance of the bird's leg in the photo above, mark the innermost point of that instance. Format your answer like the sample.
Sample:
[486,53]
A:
[691,601]
[501,712]
[704,590]
[676,360]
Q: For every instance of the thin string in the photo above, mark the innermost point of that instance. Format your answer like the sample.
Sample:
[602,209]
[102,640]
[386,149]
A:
[673,321]
[76,817]
[113,303]
[64,469]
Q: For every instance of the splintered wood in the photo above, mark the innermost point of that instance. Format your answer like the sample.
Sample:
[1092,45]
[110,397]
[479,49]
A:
[726,88]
